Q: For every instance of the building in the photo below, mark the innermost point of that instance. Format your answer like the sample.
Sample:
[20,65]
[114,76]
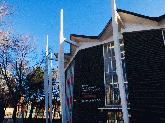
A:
[94,89]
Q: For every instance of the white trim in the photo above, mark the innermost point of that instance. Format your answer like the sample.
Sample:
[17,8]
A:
[106,108]
[136,27]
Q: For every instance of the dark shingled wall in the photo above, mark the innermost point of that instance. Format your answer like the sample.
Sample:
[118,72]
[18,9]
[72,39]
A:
[145,67]
[89,71]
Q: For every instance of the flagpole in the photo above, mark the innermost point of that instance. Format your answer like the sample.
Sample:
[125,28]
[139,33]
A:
[119,69]
[46,80]
[50,88]
[61,69]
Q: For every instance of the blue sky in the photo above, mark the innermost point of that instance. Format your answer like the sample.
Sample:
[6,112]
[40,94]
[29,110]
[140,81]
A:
[86,17]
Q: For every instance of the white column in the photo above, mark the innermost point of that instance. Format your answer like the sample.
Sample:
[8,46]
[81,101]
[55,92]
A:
[46,81]
[61,70]
[50,89]
[119,68]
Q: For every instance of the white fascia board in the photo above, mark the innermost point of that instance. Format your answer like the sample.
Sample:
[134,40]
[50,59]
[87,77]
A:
[84,45]
[134,23]
[138,27]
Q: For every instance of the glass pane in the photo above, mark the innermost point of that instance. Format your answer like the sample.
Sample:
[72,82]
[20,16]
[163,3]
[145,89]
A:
[112,44]
[115,80]
[109,51]
[105,51]
[108,78]
[113,52]
[114,64]
[122,48]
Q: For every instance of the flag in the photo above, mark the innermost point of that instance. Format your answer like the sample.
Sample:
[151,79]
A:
[69,92]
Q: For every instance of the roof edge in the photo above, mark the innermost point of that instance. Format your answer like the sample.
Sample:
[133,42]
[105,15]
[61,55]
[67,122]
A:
[157,19]
[138,15]
[83,36]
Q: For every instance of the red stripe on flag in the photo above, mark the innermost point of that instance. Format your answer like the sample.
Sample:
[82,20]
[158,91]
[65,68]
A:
[70,120]
[67,101]
[71,101]
[72,79]
[68,81]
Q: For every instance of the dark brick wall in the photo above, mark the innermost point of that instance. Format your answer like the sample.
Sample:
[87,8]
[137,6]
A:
[145,67]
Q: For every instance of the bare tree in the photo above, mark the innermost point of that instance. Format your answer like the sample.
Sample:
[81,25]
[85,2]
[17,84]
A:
[16,55]
[17,60]
[4,46]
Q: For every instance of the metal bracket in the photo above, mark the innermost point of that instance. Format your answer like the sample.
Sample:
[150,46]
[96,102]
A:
[72,42]
[121,21]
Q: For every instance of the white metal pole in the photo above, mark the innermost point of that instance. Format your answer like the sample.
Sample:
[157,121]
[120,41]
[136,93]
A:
[61,70]
[119,69]
[46,82]
[50,89]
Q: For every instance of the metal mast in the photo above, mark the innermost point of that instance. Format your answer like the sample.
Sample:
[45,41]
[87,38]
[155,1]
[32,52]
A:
[46,80]
[119,69]
[50,88]
[61,70]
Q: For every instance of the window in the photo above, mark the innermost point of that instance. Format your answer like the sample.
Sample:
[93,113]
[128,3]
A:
[111,80]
